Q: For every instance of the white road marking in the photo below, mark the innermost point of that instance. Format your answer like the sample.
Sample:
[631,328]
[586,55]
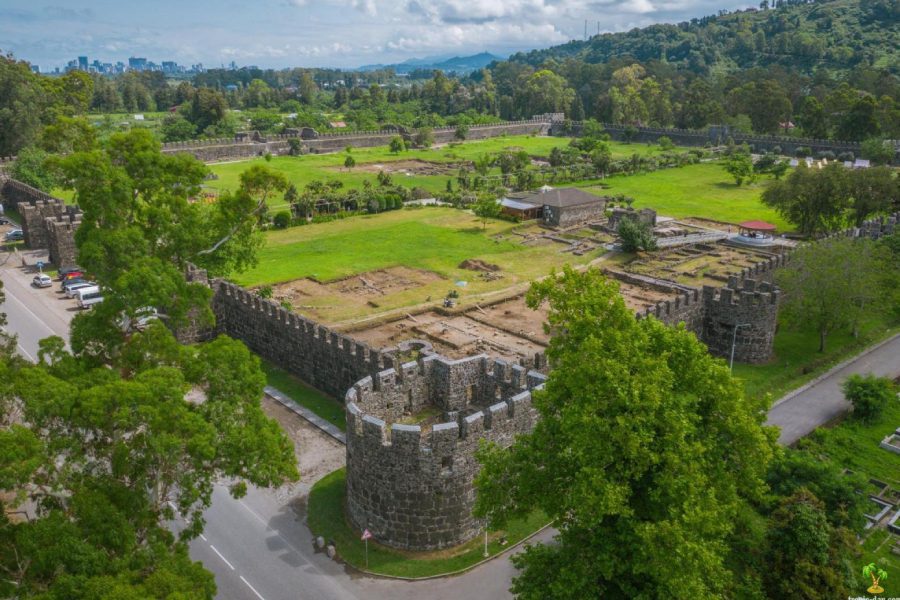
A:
[252,589]
[203,537]
[252,512]
[225,560]
[26,353]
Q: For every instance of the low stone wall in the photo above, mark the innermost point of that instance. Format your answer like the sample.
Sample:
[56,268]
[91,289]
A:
[414,489]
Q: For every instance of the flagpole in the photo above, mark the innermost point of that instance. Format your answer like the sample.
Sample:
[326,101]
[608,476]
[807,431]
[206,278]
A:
[367,553]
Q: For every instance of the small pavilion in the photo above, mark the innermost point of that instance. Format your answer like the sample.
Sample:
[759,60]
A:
[758,233]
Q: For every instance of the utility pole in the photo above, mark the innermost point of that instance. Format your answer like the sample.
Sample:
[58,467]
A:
[733,341]
[585,29]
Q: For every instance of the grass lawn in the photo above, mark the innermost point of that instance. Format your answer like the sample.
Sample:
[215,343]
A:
[701,190]
[798,361]
[853,445]
[300,170]
[320,403]
[326,517]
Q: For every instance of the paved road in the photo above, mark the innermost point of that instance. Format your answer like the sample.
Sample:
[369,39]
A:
[259,548]
[32,314]
[823,402]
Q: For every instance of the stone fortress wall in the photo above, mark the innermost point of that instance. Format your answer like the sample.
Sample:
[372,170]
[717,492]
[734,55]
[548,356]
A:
[248,146]
[47,222]
[716,135]
[412,486]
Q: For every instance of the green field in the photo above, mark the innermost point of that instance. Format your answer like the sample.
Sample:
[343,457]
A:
[326,517]
[701,190]
[300,170]
[798,361]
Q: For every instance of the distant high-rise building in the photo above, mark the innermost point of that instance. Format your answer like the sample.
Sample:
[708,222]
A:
[82,63]
[137,64]
[35,69]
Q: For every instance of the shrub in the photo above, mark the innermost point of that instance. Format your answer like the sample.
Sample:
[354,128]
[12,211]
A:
[802,151]
[282,219]
[265,291]
[636,236]
[869,396]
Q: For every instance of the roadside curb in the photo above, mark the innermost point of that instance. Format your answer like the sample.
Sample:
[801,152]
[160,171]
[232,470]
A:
[307,414]
[452,573]
[817,380]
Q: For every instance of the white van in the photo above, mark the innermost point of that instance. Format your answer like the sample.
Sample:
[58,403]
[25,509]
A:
[89,296]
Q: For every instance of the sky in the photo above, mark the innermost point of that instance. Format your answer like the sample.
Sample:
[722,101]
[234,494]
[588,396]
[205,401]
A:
[315,33]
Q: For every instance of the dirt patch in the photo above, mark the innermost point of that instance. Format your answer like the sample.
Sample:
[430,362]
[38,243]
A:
[383,282]
[478,265]
[455,336]
[699,264]
[408,167]
[317,453]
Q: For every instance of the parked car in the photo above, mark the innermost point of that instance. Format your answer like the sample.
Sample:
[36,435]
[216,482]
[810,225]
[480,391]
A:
[14,236]
[89,296]
[63,272]
[4,221]
[70,275]
[142,318]
[76,277]
[70,282]
[72,289]
[41,281]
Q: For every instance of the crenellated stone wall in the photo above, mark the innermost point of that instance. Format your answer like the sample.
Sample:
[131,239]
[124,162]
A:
[248,146]
[412,486]
[715,135]
[744,313]
[323,358]
[46,221]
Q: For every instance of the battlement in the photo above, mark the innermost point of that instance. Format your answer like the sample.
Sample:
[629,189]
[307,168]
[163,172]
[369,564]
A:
[744,315]
[61,238]
[429,471]
[323,358]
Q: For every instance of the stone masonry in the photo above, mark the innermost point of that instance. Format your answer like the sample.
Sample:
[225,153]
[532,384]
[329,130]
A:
[46,221]
[748,315]
[413,486]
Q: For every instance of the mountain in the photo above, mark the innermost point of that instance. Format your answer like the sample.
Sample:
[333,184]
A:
[458,64]
[836,34]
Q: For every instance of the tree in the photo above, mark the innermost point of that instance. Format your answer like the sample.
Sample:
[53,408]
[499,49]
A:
[765,102]
[807,557]
[643,451]
[108,452]
[815,201]
[424,137]
[68,134]
[601,157]
[486,208]
[139,226]
[860,122]
[349,162]
[665,143]
[543,92]
[880,152]
[636,236]
[208,109]
[834,283]
[812,118]
[869,396]
[31,167]
[397,144]
[282,219]
[175,128]
[462,130]
[740,166]
[872,191]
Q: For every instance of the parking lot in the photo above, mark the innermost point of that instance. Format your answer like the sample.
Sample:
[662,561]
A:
[32,313]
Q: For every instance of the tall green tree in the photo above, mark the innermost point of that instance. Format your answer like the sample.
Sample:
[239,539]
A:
[643,451]
[812,119]
[815,201]
[835,283]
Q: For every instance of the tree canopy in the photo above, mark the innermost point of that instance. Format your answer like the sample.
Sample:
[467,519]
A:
[643,452]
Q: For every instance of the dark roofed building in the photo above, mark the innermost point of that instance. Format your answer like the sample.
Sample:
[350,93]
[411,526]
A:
[562,207]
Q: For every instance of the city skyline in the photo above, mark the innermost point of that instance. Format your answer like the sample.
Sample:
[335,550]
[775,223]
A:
[302,33]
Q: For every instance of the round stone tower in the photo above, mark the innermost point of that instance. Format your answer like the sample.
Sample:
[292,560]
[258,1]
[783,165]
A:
[412,434]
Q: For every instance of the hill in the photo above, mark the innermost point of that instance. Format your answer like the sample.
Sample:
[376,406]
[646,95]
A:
[837,34]
[455,64]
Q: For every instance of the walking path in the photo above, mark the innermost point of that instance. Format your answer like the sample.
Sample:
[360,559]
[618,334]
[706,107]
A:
[822,400]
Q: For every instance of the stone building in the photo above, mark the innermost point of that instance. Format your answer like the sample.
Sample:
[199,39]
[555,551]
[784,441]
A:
[560,207]
[410,480]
